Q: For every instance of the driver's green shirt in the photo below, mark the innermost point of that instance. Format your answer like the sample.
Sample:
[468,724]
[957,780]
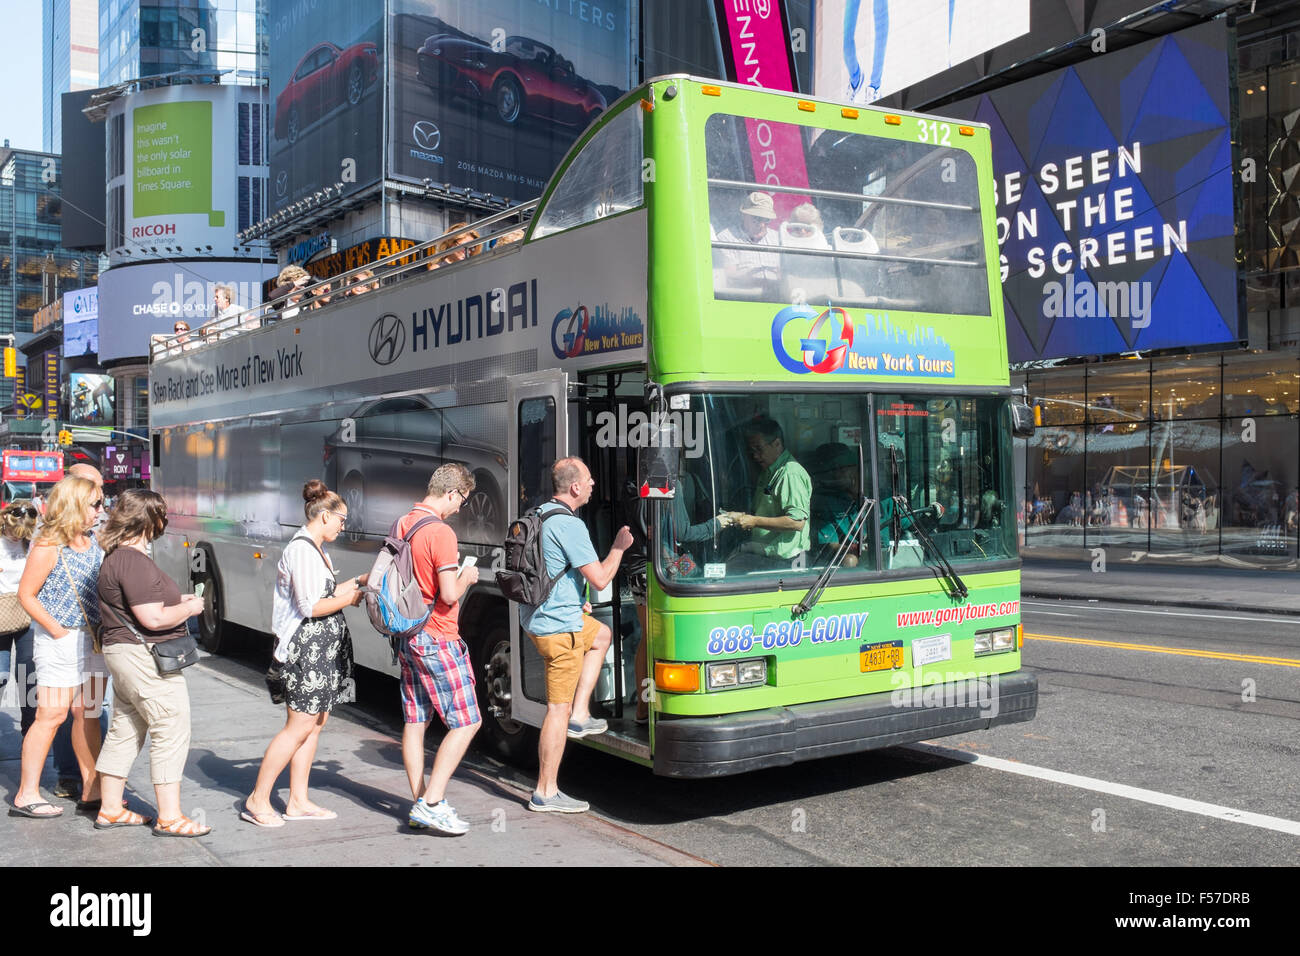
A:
[783,489]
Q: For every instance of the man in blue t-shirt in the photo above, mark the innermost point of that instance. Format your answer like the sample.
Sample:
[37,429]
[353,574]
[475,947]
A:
[568,638]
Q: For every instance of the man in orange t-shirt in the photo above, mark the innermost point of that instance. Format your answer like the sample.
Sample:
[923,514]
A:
[437,675]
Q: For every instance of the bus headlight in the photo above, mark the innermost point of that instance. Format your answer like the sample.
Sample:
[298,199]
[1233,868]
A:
[730,674]
[996,641]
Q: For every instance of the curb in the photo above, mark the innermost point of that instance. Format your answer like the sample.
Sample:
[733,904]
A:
[1148,602]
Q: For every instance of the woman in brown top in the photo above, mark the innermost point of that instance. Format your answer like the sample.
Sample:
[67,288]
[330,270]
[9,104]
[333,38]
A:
[139,605]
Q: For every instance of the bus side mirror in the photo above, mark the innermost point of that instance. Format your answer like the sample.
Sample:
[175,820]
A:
[659,458]
[1022,420]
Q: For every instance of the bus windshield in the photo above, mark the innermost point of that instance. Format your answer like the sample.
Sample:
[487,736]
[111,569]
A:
[771,485]
[806,215]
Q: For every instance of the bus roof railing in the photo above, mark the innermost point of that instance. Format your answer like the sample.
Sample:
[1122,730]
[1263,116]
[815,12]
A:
[392,268]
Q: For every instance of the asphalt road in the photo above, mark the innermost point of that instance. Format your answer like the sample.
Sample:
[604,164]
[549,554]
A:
[1173,716]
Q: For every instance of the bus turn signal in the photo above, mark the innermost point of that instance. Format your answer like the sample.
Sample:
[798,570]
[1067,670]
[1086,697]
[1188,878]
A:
[677,678]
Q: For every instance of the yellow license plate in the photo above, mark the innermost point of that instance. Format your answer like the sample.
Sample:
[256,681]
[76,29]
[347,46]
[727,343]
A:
[884,656]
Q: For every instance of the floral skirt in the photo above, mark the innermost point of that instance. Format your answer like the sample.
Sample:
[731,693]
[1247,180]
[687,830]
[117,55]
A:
[318,667]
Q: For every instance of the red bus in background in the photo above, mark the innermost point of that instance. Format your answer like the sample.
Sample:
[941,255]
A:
[23,470]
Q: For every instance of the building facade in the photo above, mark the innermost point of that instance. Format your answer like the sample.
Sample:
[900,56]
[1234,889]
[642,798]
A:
[69,60]
[139,38]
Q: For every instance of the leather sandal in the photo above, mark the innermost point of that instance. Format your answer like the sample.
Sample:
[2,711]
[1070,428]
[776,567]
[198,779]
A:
[182,826]
[127,818]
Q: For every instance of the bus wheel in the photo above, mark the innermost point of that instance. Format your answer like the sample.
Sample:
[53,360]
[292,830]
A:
[213,631]
[501,736]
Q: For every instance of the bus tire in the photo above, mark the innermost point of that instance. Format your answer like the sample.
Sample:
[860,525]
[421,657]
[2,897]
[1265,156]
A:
[214,633]
[500,736]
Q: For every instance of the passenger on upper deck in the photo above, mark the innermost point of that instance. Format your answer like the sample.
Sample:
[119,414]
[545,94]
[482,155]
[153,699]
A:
[292,279]
[455,250]
[805,224]
[361,283]
[759,271]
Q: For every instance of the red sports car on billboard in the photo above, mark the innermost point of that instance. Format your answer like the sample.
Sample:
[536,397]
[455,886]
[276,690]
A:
[325,77]
[526,77]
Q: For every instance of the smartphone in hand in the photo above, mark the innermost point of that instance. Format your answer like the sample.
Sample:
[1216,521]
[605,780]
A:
[467,562]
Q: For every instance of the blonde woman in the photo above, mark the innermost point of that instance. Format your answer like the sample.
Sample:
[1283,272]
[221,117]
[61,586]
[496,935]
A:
[450,251]
[139,606]
[315,650]
[58,590]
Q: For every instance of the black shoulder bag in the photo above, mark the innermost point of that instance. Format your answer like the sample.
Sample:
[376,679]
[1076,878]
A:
[168,656]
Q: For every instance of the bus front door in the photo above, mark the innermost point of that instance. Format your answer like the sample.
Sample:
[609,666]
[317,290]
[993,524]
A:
[539,434]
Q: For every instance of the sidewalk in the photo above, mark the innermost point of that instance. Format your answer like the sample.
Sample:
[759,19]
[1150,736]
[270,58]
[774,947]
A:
[358,772]
[1211,588]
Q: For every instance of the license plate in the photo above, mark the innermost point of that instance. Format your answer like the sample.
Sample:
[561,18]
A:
[884,656]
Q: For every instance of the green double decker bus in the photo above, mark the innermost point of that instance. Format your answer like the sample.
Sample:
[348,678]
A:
[772,327]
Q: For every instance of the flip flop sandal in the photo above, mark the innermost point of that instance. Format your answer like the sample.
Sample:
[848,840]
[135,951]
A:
[268,820]
[182,826]
[321,814]
[29,811]
[127,818]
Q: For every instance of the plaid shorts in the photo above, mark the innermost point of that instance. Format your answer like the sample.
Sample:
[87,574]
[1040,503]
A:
[437,677]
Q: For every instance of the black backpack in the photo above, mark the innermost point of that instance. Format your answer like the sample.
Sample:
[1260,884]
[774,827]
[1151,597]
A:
[525,579]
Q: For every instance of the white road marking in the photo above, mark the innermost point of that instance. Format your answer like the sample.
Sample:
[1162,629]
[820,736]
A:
[1133,610]
[1056,613]
[1281,825]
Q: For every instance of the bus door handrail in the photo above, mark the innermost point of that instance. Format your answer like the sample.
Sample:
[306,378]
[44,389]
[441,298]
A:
[390,269]
[836,194]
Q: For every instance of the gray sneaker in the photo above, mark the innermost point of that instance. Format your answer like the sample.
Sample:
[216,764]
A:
[588,728]
[560,803]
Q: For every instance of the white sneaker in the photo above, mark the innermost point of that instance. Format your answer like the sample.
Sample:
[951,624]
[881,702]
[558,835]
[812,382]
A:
[440,817]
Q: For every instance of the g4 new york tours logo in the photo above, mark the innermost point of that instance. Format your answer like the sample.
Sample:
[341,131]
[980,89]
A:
[592,330]
[830,342]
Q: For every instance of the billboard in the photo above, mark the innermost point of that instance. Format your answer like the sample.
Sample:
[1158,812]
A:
[90,399]
[138,301]
[1115,200]
[81,322]
[183,156]
[866,49]
[85,175]
[489,95]
[326,87]
[755,48]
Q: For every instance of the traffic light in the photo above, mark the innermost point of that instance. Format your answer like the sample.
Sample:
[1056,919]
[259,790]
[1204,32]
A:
[65,437]
[11,362]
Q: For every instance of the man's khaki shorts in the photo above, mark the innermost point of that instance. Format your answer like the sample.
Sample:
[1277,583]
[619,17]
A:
[563,656]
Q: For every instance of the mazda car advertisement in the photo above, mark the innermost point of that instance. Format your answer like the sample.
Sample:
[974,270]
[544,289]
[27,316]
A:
[327,80]
[489,95]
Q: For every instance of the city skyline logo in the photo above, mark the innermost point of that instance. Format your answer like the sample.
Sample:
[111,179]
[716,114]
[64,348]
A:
[387,339]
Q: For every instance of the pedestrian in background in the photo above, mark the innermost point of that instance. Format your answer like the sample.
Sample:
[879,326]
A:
[17,523]
[315,649]
[58,590]
[139,606]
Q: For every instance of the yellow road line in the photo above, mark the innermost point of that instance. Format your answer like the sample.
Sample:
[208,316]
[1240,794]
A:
[1154,648]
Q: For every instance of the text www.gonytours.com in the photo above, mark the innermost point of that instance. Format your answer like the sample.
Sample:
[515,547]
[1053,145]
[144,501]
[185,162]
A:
[955,615]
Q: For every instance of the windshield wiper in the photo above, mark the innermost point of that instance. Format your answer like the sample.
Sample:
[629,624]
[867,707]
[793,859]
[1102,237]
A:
[815,592]
[902,507]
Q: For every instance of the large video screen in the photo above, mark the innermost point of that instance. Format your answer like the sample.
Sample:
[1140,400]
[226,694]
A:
[867,49]
[1115,200]
[90,399]
[490,94]
[327,79]
[81,322]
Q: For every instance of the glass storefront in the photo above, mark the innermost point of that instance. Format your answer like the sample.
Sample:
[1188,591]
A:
[1187,456]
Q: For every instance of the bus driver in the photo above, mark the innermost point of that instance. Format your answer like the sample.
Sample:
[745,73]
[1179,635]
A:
[782,495]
